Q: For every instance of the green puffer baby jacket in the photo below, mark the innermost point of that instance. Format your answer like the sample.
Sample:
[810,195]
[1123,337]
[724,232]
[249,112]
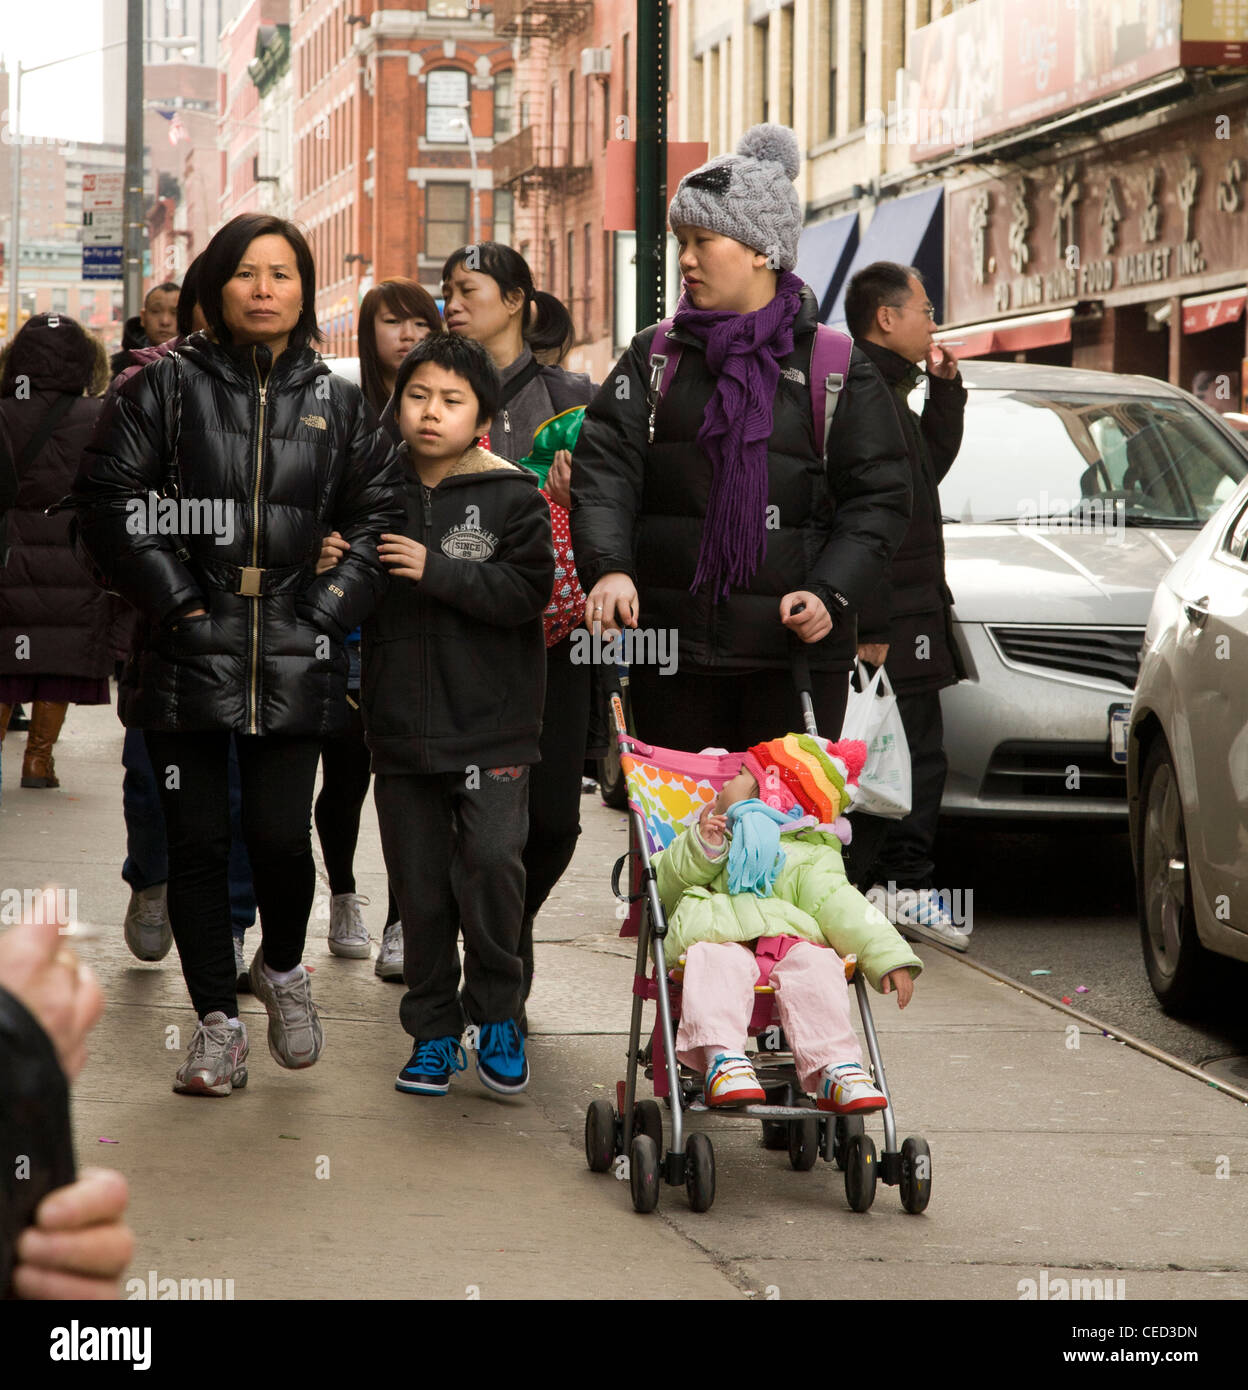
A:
[812,898]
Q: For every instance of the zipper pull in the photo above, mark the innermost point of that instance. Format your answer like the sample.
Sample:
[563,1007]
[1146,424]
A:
[506,423]
[427,498]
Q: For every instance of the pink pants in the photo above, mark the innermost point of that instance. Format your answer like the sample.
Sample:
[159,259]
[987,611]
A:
[812,998]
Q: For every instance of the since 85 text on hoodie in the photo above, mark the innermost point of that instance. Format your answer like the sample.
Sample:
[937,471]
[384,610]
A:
[454,664]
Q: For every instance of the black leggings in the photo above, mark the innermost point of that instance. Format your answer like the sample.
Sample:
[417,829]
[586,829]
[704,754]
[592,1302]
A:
[277,776]
[345,770]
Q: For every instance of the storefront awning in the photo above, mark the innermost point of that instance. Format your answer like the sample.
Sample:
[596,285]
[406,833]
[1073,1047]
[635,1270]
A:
[1204,311]
[910,231]
[1009,335]
[823,255]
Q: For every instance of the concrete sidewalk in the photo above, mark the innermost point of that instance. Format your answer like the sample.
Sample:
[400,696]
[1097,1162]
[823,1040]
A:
[1053,1149]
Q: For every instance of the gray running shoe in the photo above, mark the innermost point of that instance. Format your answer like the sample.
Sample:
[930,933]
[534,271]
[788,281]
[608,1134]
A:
[295,1033]
[348,936]
[148,933]
[390,958]
[216,1061]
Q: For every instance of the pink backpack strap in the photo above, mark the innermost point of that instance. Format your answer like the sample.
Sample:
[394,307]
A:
[829,366]
[663,364]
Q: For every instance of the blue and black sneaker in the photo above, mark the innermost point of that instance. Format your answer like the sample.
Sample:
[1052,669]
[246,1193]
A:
[501,1063]
[428,1072]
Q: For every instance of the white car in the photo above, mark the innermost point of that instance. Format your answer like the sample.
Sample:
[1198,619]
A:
[1187,763]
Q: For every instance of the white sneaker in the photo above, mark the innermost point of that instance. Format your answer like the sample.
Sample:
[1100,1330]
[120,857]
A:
[243,984]
[295,1033]
[216,1060]
[148,933]
[348,936]
[390,957]
[846,1090]
[919,914]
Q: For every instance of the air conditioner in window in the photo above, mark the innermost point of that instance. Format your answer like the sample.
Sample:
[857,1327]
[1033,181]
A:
[595,60]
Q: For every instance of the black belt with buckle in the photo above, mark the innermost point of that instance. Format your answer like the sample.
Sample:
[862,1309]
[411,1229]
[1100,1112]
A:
[252,581]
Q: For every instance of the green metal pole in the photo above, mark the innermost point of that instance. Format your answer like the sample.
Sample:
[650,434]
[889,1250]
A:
[651,161]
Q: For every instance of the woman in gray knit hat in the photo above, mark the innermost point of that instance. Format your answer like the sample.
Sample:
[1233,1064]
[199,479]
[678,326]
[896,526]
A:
[715,510]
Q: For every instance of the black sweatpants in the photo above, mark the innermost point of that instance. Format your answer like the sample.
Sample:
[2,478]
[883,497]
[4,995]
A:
[453,853]
[277,775]
[900,851]
[555,787]
[692,710]
[346,766]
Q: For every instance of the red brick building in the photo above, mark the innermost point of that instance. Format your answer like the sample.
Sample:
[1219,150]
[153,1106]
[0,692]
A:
[383,163]
[576,92]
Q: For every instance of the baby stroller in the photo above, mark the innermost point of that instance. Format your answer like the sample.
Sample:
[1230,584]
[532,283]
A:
[666,791]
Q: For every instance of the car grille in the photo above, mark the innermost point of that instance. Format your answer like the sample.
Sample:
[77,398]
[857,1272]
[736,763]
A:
[1110,653]
[1043,771]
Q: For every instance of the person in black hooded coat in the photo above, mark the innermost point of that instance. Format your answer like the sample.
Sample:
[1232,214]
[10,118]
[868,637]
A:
[54,648]
[239,634]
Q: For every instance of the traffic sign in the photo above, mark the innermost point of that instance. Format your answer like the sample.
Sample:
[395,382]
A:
[102,262]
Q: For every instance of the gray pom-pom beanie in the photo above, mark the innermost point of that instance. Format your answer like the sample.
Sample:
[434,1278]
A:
[749,195]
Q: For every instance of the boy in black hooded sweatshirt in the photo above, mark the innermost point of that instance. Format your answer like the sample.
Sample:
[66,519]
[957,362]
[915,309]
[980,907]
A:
[454,674]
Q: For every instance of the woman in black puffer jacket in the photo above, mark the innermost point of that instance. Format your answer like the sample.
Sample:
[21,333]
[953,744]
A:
[240,635]
[54,648]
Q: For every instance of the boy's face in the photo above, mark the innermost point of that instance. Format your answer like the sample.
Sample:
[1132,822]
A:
[438,413]
[739,788]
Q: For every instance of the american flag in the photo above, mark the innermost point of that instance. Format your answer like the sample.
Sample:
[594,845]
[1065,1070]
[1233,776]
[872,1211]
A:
[177,131]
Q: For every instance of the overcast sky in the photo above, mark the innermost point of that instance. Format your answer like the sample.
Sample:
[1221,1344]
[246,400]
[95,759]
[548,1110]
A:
[63,101]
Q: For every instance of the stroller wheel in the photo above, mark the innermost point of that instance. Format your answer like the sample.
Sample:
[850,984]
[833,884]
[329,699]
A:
[775,1134]
[643,1173]
[803,1140]
[846,1127]
[699,1172]
[648,1119]
[860,1172]
[600,1141]
[916,1175]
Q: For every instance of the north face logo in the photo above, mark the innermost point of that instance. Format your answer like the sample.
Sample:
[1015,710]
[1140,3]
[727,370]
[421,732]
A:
[794,374]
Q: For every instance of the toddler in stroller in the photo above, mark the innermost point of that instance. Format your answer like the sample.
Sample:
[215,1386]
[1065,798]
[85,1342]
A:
[774,907]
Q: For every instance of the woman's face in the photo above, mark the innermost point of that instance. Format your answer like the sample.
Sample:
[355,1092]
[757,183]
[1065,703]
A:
[396,336]
[719,272]
[475,308]
[261,302]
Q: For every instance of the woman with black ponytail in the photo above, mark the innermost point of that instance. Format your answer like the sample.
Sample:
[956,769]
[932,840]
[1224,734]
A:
[490,297]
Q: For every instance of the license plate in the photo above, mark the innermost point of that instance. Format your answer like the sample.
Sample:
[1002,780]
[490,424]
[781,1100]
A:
[1119,722]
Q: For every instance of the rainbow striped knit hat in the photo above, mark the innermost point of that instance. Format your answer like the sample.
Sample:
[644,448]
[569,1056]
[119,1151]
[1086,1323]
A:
[818,775]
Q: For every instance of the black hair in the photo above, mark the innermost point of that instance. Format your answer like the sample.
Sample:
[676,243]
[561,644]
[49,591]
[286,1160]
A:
[189,297]
[465,358]
[220,260]
[169,287]
[879,285]
[547,326]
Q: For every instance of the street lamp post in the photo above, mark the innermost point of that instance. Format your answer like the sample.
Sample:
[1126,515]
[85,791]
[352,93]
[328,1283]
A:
[464,122]
[15,239]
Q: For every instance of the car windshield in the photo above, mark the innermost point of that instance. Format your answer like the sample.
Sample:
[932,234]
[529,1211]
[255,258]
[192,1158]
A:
[1038,457]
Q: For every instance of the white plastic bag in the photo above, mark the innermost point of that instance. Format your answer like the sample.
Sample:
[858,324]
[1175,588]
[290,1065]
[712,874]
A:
[871,714]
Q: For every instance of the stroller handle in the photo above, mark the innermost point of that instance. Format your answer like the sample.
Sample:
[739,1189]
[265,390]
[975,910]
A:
[799,661]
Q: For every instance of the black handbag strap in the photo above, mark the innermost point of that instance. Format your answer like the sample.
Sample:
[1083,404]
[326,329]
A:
[518,382]
[55,413]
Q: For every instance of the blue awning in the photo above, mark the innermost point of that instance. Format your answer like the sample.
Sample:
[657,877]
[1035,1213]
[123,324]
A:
[823,255]
[910,231]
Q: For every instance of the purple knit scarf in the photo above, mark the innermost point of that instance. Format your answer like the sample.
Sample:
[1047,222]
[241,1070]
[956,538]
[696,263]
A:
[744,351]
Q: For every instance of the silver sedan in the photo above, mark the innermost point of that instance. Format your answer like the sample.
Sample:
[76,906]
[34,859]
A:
[1073,493]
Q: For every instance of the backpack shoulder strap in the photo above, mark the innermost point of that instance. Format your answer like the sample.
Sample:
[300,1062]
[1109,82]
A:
[663,364]
[829,366]
[55,413]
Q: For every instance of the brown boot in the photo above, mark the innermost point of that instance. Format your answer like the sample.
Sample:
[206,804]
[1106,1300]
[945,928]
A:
[38,767]
[5,711]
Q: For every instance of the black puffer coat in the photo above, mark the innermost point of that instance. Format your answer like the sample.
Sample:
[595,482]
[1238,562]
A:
[911,608]
[639,508]
[45,594]
[288,453]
